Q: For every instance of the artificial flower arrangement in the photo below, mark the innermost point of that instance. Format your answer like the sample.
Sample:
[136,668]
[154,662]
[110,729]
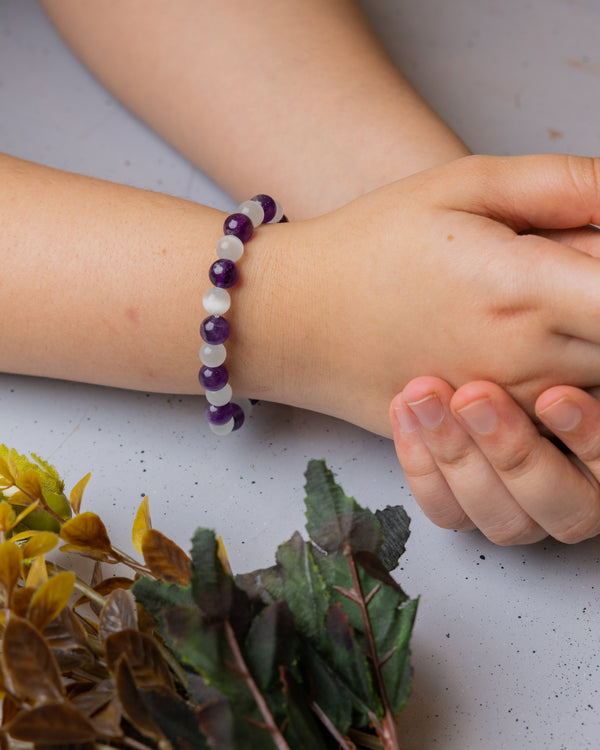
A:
[182,654]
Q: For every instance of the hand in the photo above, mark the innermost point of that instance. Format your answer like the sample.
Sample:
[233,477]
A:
[431,274]
[473,458]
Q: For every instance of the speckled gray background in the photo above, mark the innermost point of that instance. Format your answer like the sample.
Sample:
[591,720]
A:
[506,649]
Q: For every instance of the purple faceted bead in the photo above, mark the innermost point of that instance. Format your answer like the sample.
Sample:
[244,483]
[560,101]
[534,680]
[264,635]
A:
[213,378]
[239,225]
[223,273]
[238,416]
[268,205]
[214,329]
[219,414]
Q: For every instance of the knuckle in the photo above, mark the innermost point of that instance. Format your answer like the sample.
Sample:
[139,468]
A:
[518,461]
[450,516]
[584,172]
[520,530]
[579,530]
[454,457]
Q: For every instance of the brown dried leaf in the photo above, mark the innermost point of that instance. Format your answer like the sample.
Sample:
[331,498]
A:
[51,598]
[52,724]
[107,722]
[165,559]
[7,516]
[119,613]
[144,659]
[67,638]
[141,523]
[93,699]
[27,510]
[106,587]
[29,664]
[37,575]
[6,472]
[76,495]
[9,710]
[10,567]
[29,483]
[21,599]
[86,530]
[40,543]
[132,703]
[90,552]
[3,742]
[222,555]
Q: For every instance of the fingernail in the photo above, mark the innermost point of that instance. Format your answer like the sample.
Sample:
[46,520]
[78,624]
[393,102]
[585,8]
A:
[480,416]
[563,415]
[405,418]
[429,411]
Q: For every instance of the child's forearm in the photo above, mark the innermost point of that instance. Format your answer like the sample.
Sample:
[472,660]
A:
[299,100]
[103,283]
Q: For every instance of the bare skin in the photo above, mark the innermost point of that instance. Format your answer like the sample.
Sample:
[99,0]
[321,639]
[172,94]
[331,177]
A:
[336,117]
[335,121]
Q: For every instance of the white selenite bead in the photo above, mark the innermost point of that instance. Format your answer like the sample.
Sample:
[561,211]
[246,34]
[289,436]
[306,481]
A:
[216,301]
[220,397]
[222,429]
[278,213]
[211,355]
[254,211]
[230,247]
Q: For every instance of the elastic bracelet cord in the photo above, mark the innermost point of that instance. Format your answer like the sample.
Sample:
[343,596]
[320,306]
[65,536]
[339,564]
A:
[225,415]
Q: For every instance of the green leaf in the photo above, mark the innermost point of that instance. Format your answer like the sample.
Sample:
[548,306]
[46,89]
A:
[390,611]
[271,644]
[303,730]
[175,719]
[201,646]
[213,589]
[332,694]
[51,483]
[397,671]
[395,523]
[225,727]
[262,586]
[303,587]
[347,657]
[156,597]
[333,519]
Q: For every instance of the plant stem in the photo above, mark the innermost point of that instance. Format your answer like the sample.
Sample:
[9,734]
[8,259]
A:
[244,672]
[344,742]
[388,729]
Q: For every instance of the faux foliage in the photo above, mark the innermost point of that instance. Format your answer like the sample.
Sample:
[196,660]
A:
[312,652]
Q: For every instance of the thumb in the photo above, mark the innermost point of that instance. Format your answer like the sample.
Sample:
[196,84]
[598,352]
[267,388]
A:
[546,191]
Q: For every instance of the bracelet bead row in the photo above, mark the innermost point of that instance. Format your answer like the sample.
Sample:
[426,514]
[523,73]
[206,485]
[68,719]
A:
[225,415]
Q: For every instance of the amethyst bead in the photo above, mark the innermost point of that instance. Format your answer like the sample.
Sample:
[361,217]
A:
[268,205]
[239,225]
[215,330]
[219,414]
[223,273]
[213,378]
[238,416]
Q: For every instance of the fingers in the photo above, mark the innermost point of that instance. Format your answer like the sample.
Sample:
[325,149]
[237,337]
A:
[547,191]
[448,474]
[425,478]
[573,415]
[584,239]
[512,483]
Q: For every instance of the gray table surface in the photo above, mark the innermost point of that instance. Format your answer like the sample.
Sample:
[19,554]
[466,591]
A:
[504,648]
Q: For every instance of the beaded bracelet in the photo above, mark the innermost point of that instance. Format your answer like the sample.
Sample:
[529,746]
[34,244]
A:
[223,414]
